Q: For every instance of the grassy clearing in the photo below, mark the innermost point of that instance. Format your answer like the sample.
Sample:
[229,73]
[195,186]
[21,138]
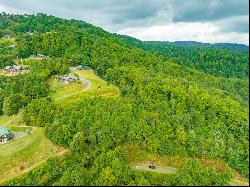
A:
[26,61]
[58,89]
[23,153]
[19,129]
[240,183]
[12,121]
[96,82]
[108,92]
[139,157]
[4,119]
[41,164]
[7,41]
[97,88]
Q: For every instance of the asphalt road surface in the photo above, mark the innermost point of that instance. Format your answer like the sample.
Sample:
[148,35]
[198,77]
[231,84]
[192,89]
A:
[164,170]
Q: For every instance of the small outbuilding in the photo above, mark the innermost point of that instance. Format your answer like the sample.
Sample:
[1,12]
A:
[5,135]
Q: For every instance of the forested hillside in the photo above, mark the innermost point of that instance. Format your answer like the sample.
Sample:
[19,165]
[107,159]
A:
[233,46]
[179,101]
[215,59]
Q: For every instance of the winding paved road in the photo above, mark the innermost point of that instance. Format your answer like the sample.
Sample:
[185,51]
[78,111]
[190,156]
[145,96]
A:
[19,134]
[164,170]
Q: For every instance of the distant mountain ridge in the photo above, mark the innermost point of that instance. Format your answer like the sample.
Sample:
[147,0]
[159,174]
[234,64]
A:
[221,59]
[234,46]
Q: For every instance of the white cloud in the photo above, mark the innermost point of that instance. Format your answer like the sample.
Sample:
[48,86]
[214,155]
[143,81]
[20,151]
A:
[182,31]
[12,10]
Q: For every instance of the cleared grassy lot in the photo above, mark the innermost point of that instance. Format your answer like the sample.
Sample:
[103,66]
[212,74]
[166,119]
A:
[96,82]
[23,153]
[96,87]
[7,41]
[4,119]
[58,89]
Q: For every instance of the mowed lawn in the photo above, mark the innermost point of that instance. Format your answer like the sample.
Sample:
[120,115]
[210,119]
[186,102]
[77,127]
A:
[23,153]
[96,82]
[58,89]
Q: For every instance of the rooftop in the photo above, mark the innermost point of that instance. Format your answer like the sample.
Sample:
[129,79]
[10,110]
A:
[4,131]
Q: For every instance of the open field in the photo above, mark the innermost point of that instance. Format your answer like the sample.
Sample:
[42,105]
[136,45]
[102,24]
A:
[4,119]
[96,82]
[12,121]
[6,41]
[108,92]
[28,61]
[25,152]
[58,89]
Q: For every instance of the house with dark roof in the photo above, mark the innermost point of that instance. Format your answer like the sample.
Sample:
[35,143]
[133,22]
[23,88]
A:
[5,135]
[38,56]
[13,69]
[67,79]
[81,67]
[7,36]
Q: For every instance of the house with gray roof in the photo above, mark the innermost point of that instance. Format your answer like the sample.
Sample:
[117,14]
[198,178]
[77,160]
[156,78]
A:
[38,56]
[7,36]
[67,79]
[81,67]
[13,69]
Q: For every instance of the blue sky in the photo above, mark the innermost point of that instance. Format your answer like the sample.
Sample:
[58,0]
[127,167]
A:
[166,20]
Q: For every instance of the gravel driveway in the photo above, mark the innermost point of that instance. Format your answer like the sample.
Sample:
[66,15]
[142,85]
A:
[19,134]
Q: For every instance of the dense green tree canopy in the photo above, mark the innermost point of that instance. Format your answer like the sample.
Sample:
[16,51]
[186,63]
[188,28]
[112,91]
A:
[182,101]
